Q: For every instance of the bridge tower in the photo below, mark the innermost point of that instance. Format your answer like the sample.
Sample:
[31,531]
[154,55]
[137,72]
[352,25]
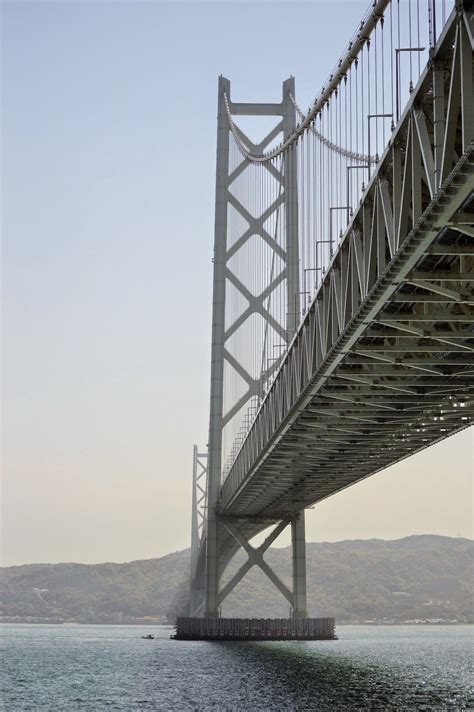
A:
[209,555]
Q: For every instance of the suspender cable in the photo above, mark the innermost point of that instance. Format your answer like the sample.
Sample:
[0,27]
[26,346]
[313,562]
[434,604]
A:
[371,19]
[391,61]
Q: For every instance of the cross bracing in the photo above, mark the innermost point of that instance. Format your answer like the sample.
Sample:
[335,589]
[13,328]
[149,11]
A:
[258,274]
[381,364]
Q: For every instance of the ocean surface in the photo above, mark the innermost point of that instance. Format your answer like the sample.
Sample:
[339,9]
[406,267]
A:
[53,667]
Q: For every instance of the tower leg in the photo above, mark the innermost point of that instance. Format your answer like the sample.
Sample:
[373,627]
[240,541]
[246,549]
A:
[298,543]
[212,569]
[217,354]
[194,516]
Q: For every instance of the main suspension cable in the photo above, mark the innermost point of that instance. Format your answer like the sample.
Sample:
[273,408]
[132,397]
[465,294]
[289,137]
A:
[360,37]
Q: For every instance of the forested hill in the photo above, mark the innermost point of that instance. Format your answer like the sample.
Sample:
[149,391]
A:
[415,578]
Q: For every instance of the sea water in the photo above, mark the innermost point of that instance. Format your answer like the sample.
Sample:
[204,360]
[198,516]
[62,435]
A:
[54,667]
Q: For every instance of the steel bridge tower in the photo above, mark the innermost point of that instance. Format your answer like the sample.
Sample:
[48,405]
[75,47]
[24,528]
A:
[207,554]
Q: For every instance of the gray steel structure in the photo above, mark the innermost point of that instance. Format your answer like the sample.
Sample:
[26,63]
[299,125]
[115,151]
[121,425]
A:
[206,567]
[198,514]
[382,364]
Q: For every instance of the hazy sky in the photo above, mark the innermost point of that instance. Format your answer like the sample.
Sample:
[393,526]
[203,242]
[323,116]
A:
[108,140]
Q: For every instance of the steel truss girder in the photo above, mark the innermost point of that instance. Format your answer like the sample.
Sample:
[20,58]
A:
[381,280]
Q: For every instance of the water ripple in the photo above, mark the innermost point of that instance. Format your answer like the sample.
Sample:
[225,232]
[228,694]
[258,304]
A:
[111,668]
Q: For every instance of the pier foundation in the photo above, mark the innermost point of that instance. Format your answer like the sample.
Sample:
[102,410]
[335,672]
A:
[255,629]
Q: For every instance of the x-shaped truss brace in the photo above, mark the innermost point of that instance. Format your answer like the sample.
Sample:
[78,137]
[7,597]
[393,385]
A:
[256,303]
[201,491]
[255,558]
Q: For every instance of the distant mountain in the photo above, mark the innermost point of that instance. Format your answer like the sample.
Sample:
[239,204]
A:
[415,578]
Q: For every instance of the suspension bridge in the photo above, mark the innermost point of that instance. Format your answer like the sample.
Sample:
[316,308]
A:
[342,327]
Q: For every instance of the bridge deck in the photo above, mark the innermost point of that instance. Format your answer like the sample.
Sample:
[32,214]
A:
[397,381]
[382,365]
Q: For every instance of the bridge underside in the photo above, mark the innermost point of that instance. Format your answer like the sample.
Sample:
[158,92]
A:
[399,381]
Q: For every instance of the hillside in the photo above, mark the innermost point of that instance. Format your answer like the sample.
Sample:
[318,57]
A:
[418,577]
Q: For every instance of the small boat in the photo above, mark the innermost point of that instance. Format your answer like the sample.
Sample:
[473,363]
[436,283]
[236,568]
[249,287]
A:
[148,637]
